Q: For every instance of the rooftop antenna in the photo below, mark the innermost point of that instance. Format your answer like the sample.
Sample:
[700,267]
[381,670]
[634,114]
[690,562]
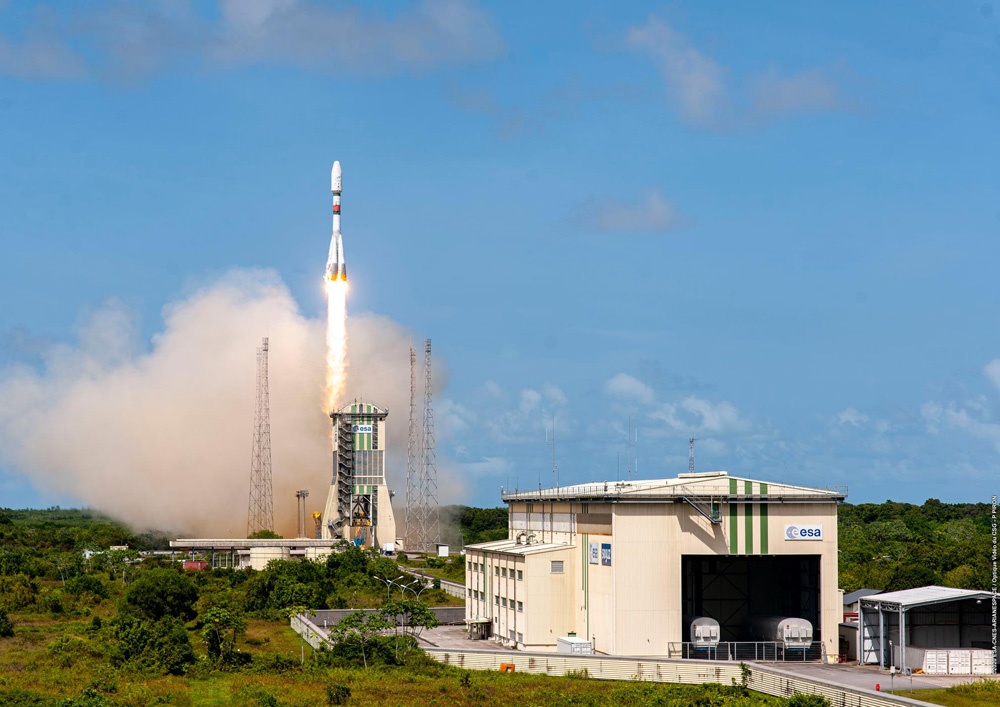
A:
[691,441]
[628,467]
[555,475]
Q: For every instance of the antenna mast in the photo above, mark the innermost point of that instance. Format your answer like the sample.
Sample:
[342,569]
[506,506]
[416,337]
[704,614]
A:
[414,518]
[261,510]
[691,441]
[430,531]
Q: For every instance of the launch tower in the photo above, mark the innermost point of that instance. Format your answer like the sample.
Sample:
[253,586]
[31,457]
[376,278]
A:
[358,507]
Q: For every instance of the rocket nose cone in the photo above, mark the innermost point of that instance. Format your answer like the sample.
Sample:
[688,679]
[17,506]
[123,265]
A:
[335,176]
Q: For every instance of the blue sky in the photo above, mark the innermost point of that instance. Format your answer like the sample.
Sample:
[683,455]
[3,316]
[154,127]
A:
[769,226]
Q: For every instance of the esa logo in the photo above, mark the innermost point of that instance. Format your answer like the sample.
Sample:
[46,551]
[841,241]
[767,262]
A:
[803,532]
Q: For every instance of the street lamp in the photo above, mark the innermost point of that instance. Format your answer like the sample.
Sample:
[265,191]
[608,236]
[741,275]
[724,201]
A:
[419,583]
[388,584]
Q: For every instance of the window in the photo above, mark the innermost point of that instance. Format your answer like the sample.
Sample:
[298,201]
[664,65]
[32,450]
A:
[529,507]
[470,593]
[503,602]
[520,606]
[557,566]
[468,566]
[520,574]
[511,634]
[520,637]
[496,571]
[503,572]
[496,599]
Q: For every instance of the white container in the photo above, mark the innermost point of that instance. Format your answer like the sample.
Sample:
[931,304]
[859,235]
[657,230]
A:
[388,548]
[571,645]
[442,550]
[982,662]
[960,662]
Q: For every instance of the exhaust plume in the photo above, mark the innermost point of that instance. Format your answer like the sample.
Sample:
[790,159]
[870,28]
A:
[160,435]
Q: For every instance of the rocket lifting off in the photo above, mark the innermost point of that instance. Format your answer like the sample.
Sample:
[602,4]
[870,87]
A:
[336,266]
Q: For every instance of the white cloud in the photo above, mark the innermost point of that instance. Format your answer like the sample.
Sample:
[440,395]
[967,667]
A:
[805,92]
[651,213]
[938,417]
[695,416]
[328,37]
[628,388]
[850,416]
[694,81]
[698,86]
[132,39]
[992,372]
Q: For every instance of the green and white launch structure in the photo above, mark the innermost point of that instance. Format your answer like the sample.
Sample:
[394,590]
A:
[358,506]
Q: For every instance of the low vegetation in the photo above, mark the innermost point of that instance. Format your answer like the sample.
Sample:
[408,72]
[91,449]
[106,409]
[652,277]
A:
[81,624]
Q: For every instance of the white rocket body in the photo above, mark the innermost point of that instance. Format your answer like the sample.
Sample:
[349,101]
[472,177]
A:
[336,265]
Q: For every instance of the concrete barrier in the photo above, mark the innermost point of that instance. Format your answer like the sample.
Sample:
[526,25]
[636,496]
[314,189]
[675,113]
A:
[766,679]
[448,615]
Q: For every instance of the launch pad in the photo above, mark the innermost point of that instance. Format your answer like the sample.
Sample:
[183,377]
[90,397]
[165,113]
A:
[358,506]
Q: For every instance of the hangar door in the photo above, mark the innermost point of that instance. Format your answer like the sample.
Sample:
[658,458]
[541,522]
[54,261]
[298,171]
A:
[729,589]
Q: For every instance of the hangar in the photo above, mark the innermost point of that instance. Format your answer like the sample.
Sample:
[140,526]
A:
[939,630]
[622,563]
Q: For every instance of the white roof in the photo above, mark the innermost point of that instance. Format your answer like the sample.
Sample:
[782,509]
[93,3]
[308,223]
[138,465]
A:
[922,596]
[512,547]
[700,484]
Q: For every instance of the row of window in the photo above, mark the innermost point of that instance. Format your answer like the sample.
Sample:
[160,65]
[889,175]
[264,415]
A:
[511,634]
[497,599]
[498,571]
[502,602]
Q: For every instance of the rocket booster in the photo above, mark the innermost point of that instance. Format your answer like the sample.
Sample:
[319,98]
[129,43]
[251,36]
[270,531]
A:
[336,266]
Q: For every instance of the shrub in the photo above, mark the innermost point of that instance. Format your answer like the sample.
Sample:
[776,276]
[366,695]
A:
[337,694]
[160,592]
[87,583]
[6,625]
[801,700]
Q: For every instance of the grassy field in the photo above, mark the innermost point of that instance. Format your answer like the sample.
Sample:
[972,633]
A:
[49,661]
[984,693]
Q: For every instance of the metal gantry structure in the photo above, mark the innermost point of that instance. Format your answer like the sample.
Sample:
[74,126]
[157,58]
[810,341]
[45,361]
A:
[428,460]
[410,530]
[691,441]
[261,510]
[423,527]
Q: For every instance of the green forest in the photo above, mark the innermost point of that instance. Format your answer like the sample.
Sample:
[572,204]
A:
[124,627]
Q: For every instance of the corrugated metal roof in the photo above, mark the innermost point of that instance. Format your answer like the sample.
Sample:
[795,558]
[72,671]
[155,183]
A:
[704,484]
[922,596]
[512,547]
[859,594]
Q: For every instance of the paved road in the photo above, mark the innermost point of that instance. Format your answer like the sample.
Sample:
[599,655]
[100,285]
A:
[866,676]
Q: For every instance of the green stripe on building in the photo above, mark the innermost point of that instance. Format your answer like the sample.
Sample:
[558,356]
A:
[748,517]
[763,521]
[734,544]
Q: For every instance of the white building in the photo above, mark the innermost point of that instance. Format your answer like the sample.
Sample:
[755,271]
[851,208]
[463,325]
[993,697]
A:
[622,563]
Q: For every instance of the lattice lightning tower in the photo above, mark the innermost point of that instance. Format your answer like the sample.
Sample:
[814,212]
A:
[430,527]
[261,513]
[410,532]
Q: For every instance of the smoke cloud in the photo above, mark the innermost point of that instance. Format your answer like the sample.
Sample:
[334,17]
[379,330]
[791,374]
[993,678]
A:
[159,435]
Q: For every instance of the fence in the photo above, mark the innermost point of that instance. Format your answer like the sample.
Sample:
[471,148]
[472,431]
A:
[761,652]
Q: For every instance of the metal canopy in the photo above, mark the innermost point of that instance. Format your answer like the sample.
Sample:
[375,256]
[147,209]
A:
[921,596]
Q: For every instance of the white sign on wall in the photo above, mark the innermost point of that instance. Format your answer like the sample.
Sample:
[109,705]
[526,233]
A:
[803,532]
[362,429]
[595,553]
